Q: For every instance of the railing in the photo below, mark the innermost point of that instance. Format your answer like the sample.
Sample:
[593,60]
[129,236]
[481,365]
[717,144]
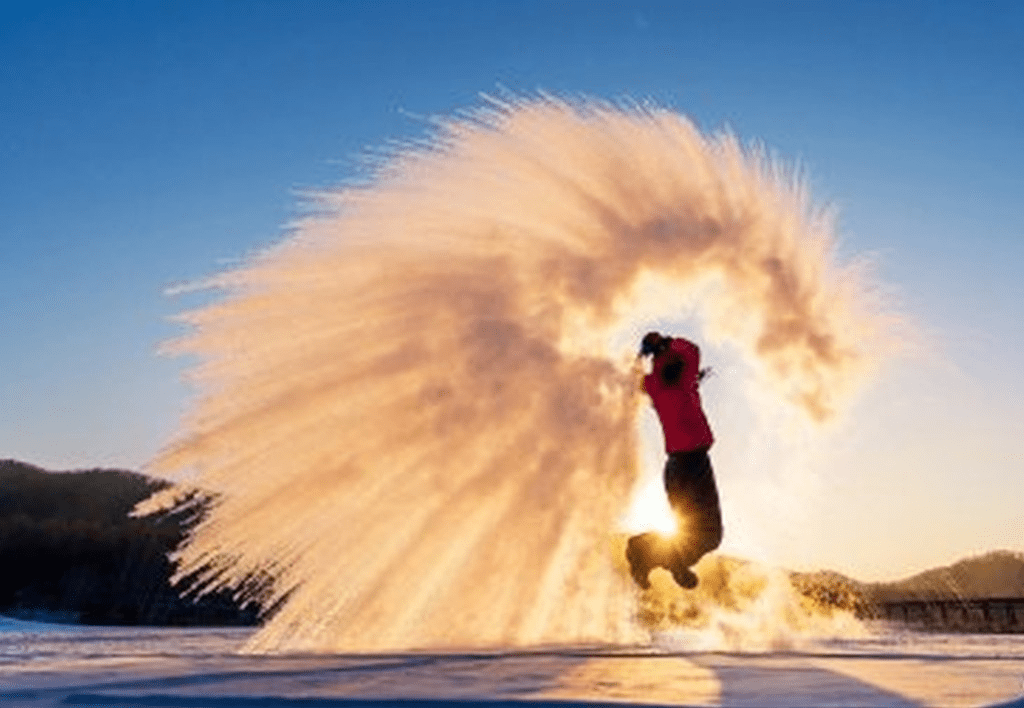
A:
[996,615]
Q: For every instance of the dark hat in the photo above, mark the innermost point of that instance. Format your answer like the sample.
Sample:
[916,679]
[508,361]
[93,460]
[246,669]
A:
[654,343]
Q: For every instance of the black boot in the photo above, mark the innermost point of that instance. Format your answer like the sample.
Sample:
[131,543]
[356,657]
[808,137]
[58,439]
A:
[638,553]
[685,577]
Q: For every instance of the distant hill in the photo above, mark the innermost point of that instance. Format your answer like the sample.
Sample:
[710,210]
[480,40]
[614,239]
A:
[998,574]
[70,551]
[103,496]
[995,574]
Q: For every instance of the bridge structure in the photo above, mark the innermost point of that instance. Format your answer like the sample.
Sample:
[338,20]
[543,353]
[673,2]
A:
[1003,615]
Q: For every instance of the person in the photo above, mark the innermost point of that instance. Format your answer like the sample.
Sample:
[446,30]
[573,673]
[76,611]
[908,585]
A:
[689,480]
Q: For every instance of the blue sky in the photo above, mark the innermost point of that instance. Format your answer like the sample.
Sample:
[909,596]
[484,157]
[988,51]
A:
[148,144]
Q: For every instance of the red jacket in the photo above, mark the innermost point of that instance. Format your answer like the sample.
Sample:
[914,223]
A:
[678,402]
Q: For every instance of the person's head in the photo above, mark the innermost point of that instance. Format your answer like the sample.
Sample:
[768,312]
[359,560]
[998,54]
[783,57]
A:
[654,344]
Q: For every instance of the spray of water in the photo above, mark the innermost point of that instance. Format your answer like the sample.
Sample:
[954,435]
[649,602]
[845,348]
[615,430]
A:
[742,606]
[418,412]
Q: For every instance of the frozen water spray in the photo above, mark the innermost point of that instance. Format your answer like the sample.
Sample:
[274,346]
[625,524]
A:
[418,415]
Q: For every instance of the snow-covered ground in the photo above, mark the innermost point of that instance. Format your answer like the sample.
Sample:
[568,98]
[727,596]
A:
[50,665]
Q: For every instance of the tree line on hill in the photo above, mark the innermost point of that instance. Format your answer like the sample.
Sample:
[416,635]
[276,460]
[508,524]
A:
[69,550]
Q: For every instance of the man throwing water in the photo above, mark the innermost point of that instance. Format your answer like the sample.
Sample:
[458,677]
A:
[689,479]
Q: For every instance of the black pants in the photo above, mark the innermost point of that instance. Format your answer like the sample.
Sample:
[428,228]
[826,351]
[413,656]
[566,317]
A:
[693,496]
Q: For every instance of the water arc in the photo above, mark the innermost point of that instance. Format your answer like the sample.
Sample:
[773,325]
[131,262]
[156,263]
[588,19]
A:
[409,414]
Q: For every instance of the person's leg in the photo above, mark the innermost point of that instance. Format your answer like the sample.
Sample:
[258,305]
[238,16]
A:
[693,496]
